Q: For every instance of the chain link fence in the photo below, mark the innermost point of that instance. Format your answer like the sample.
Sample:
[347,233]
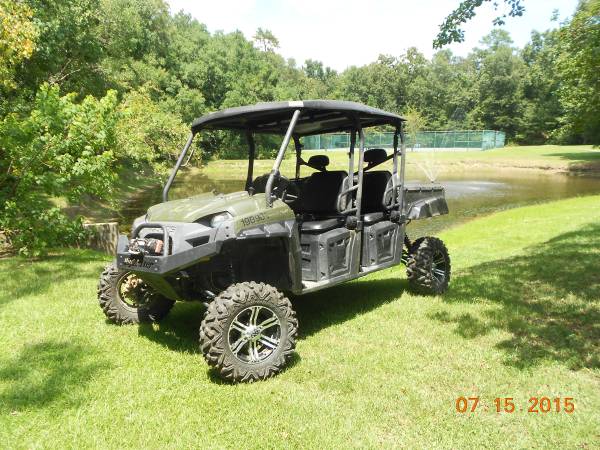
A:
[423,141]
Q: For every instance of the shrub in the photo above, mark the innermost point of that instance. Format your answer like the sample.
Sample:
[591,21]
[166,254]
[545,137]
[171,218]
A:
[148,135]
[59,149]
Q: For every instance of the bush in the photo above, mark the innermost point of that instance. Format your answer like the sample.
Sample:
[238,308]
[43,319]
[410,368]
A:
[147,135]
[60,149]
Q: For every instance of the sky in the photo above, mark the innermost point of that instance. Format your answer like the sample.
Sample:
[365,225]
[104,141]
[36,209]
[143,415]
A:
[342,33]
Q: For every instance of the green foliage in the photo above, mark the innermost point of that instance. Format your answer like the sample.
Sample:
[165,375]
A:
[578,64]
[375,84]
[266,39]
[234,145]
[148,135]
[17,38]
[415,122]
[541,105]
[68,50]
[450,29]
[33,227]
[60,148]
[499,84]
[135,76]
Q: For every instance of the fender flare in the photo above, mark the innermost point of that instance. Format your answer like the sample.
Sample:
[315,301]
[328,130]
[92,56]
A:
[428,207]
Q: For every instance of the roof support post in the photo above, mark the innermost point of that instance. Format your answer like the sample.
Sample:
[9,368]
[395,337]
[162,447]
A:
[298,147]
[395,167]
[251,156]
[165,194]
[275,171]
[351,160]
[402,168]
[361,156]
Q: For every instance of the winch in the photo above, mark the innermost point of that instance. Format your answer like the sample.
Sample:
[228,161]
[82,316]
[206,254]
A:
[143,246]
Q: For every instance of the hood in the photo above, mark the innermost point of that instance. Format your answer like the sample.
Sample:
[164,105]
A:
[193,208]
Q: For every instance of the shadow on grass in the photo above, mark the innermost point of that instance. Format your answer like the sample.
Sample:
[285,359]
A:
[582,162]
[338,304]
[179,331]
[548,300]
[45,373]
[21,277]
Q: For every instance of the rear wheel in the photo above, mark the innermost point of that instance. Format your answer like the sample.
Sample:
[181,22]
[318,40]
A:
[428,266]
[125,298]
[249,332]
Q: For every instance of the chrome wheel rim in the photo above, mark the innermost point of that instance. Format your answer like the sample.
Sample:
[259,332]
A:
[439,266]
[131,290]
[254,334]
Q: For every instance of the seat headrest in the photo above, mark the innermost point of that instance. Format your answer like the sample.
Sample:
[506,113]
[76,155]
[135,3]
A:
[318,162]
[375,155]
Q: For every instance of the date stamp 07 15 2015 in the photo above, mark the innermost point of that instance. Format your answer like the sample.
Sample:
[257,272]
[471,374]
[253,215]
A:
[535,405]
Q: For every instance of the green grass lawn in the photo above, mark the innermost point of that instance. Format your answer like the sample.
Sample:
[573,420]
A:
[574,158]
[376,366]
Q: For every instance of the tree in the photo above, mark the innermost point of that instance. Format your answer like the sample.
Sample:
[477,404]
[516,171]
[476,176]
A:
[450,29]
[542,109]
[266,39]
[372,84]
[17,38]
[578,63]
[67,51]
[315,69]
[499,84]
[146,134]
[61,148]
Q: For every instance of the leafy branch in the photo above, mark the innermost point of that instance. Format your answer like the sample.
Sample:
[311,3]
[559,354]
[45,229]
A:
[451,31]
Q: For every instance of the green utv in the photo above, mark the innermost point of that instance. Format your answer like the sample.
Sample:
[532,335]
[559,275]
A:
[239,253]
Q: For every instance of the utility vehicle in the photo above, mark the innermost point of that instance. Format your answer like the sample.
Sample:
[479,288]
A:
[240,252]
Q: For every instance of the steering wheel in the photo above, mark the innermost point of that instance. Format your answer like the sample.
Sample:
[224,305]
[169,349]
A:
[284,189]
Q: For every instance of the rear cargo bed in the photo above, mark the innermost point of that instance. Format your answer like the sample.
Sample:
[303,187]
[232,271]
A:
[422,201]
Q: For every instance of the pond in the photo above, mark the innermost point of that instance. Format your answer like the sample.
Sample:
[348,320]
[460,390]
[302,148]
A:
[481,192]
[470,193]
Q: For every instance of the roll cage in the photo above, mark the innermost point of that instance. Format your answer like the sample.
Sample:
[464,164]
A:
[296,119]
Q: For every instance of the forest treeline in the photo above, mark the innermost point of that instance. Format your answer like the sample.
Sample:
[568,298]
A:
[87,86]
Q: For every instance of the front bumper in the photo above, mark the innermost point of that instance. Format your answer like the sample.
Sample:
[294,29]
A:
[161,265]
[184,244]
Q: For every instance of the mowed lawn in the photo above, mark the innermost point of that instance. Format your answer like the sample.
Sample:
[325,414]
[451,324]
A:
[376,366]
[569,158]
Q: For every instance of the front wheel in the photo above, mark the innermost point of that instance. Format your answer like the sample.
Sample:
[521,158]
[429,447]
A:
[249,332]
[428,266]
[125,298]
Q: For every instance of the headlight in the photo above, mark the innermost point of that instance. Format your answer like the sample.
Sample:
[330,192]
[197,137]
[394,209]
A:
[217,219]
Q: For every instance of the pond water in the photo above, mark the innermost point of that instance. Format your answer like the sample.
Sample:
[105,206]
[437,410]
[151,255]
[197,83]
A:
[481,192]
[469,193]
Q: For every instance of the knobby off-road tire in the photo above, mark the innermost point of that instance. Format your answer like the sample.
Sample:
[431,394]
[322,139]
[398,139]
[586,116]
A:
[149,306]
[249,332]
[428,266]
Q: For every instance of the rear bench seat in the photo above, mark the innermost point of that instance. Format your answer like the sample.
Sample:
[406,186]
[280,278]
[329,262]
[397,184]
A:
[374,186]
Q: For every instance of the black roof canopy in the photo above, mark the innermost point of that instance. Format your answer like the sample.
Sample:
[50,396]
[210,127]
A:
[317,116]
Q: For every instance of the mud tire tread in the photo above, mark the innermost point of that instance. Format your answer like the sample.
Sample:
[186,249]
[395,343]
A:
[119,313]
[418,266]
[213,331]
